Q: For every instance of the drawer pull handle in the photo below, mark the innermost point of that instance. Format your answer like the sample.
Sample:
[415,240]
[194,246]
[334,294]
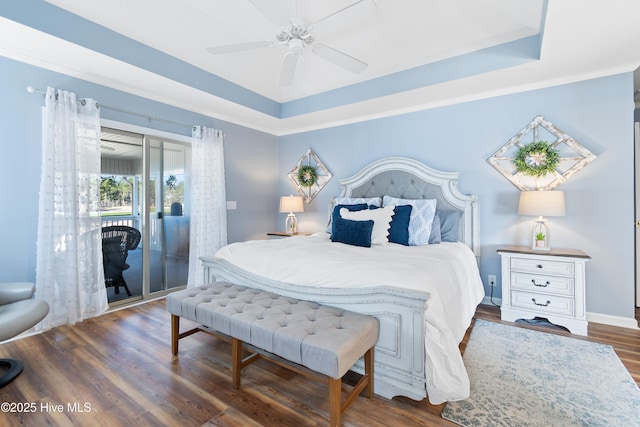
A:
[539,265]
[540,285]
[540,304]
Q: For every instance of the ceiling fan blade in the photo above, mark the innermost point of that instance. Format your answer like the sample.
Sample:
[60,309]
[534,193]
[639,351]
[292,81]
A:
[339,58]
[276,12]
[356,11]
[237,47]
[288,68]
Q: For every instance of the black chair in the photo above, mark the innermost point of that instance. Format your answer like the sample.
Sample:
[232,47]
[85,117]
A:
[117,241]
[18,312]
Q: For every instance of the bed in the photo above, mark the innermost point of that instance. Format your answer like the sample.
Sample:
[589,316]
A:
[424,298]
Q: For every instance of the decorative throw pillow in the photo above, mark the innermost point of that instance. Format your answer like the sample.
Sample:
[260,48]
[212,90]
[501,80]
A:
[449,224]
[399,230]
[371,201]
[336,212]
[381,218]
[356,233]
[421,217]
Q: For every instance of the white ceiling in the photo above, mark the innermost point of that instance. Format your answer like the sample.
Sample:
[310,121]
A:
[582,39]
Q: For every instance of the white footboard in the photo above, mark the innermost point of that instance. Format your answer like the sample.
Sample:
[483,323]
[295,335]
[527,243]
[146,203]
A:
[400,351]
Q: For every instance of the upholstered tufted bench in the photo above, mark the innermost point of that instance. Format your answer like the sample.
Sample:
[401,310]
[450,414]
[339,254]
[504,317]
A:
[308,337]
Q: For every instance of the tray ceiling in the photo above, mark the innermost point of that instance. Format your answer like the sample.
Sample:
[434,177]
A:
[389,35]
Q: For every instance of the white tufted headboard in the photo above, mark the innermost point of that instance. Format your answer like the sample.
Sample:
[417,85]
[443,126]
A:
[409,179]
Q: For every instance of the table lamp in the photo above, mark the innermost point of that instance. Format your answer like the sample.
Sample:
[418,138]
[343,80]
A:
[541,203]
[291,204]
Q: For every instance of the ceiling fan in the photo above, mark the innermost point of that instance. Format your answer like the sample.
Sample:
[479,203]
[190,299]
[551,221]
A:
[298,34]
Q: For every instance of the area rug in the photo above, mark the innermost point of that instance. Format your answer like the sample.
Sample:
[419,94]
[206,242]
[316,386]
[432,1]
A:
[521,377]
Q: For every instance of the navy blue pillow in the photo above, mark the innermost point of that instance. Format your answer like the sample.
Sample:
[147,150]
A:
[399,230]
[357,233]
[352,208]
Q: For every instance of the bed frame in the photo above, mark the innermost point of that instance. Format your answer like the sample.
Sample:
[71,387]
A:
[399,353]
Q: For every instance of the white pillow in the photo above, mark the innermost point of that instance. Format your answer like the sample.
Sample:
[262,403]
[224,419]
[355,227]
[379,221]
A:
[371,201]
[381,221]
[421,220]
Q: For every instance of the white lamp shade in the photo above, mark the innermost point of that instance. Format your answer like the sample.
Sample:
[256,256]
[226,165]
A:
[291,204]
[541,203]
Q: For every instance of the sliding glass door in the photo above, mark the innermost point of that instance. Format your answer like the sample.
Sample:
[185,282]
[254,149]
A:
[120,192]
[168,185]
[145,186]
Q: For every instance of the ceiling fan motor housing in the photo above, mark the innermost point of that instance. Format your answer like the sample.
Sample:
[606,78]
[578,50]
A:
[297,35]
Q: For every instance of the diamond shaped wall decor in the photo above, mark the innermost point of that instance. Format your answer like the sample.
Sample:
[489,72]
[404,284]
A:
[572,156]
[310,184]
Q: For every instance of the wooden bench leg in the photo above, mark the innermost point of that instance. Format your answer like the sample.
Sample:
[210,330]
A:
[368,371]
[335,401]
[236,361]
[175,332]
[336,406]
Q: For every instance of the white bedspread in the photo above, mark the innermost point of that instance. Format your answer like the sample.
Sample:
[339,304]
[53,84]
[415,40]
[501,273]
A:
[448,271]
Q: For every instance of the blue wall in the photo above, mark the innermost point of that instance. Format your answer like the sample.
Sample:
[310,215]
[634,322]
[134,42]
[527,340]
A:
[250,160]
[600,198]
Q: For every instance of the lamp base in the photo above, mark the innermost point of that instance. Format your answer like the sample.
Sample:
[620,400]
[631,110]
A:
[540,236]
[537,248]
[291,224]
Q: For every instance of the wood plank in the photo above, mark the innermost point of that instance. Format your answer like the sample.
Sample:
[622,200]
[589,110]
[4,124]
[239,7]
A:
[121,364]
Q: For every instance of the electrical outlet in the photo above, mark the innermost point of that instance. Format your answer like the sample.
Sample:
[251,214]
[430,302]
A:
[492,280]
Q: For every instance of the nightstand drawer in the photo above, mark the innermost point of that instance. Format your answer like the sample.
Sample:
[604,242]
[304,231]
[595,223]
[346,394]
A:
[539,283]
[542,266]
[541,303]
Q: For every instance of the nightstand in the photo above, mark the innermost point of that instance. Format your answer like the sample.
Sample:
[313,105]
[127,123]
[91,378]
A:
[548,284]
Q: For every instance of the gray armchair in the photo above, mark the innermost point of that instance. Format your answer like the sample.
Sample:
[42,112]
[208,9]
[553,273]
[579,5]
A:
[18,312]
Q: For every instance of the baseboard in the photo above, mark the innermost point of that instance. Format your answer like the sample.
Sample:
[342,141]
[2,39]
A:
[487,301]
[607,319]
[126,305]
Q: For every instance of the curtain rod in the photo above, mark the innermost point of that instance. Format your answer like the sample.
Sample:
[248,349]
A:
[31,89]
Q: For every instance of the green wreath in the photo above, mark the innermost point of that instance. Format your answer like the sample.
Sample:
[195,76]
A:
[307,176]
[537,159]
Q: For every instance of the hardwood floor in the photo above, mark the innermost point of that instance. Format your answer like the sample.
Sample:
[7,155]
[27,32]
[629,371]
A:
[117,370]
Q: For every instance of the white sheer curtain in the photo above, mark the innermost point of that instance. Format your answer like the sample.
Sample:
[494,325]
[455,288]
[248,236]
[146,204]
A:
[69,274]
[208,223]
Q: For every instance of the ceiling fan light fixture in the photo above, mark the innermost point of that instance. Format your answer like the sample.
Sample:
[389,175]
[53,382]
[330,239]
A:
[296,45]
[298,30]
[283,36]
